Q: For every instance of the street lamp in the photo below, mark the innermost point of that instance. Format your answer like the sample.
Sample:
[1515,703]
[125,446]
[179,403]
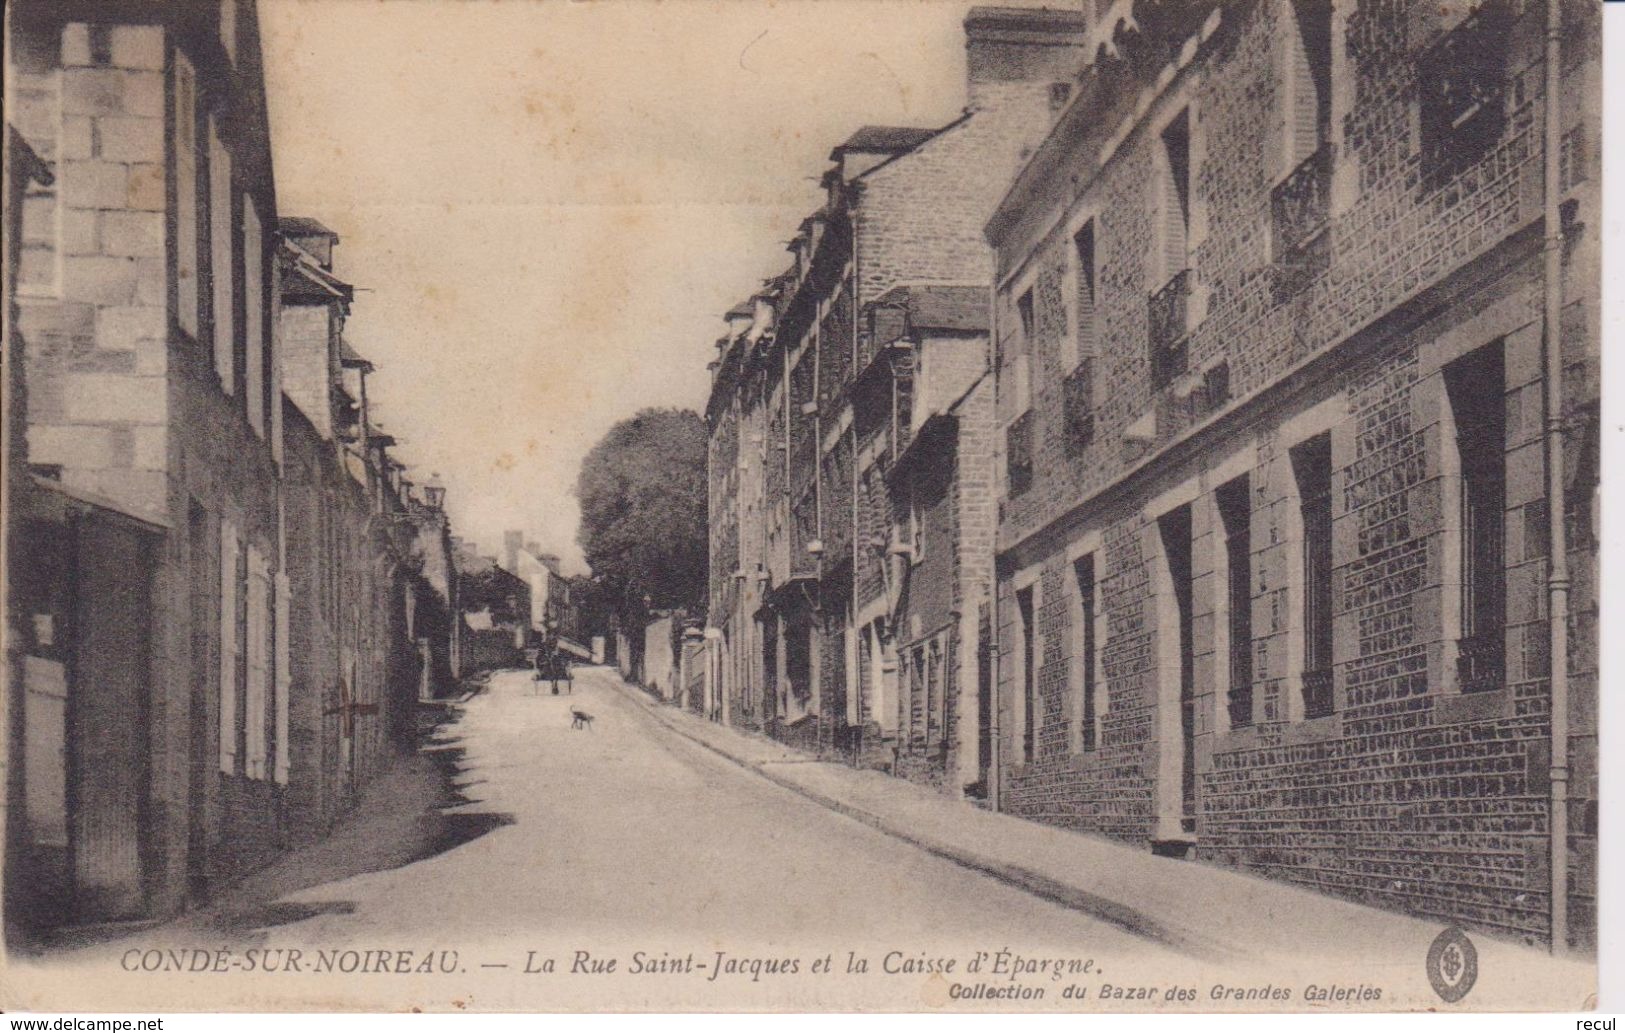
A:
[435,492]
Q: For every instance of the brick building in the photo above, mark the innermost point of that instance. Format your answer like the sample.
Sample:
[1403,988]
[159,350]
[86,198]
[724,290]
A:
[806,402]
[925,420]
[1295,453]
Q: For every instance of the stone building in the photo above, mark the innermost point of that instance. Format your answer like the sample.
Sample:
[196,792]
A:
[356,666]
[1296,549]
[205,605]
[146,296]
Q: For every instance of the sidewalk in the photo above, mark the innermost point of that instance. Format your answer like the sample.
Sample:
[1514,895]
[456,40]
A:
[1207,912]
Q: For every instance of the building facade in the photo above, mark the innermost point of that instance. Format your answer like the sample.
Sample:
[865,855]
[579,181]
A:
[1296,548]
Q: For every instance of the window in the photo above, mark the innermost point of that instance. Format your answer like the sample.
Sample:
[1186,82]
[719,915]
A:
[283,678]
[257,623]
[1312,464]
[1476,386]
[1018,454]
[1308,78]
[1168,309]
[256,363]
[220,260]
[188,261]
[1029,676]
[1083,257]
[1175,213]
[1021,369]
[1300,203]
[1461,87]
[1083,572]
[1235,514]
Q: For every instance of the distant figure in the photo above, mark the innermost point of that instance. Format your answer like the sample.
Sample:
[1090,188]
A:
[559,670]
[539,662]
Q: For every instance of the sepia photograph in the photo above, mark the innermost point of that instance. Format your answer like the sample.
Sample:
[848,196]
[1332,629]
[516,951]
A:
[802,506]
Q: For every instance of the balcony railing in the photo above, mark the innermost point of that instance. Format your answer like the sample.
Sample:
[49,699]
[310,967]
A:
[1078,400]
[1317,692]
[1301,204]
[1481,662]
[1461,81]
[1168,311]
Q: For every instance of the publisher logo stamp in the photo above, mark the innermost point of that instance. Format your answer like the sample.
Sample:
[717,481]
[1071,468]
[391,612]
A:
[1452,965]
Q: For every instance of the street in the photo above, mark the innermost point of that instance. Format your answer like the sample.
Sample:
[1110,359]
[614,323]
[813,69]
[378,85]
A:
[624,831]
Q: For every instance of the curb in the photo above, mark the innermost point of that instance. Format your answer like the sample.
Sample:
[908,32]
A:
[1037,884]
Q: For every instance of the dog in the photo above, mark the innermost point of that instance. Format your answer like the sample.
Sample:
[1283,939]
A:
[580,719]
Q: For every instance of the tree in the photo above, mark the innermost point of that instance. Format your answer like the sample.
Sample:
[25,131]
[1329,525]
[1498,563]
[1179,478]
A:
[642,491]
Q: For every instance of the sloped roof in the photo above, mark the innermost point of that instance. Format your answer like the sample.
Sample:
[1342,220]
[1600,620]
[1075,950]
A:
[303,226]
[884,140]
[937,307]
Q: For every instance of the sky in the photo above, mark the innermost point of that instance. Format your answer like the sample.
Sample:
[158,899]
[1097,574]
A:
[547,205]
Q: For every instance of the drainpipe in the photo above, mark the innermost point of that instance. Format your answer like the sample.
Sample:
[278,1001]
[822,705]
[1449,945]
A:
[1557,583]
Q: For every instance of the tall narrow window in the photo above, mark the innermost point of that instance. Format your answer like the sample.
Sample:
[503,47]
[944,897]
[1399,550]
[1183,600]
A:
[1176,194]
[253,291]
[1021,370]
[1083,253]
[1310,76]
[230,648]
[220,262]
[1168,307]
[1029,677]
[256,640]
[1083,571]
[187,262]
[1235,513]
[1312,463]
[1477,390]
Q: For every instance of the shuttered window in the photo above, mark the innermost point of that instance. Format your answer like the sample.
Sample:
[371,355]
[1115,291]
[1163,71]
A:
[229,648]
[258,634]
[187,260]
[254,317]
[220,234]
[282,677]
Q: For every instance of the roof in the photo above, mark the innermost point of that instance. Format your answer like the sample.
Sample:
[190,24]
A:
[745,309]
[883,140]
[937,307]
[349,358]
[308,279]
[302,226]
[1028,19]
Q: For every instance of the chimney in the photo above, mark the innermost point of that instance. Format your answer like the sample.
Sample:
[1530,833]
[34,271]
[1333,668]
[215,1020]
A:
[511,543]
[1029,46]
